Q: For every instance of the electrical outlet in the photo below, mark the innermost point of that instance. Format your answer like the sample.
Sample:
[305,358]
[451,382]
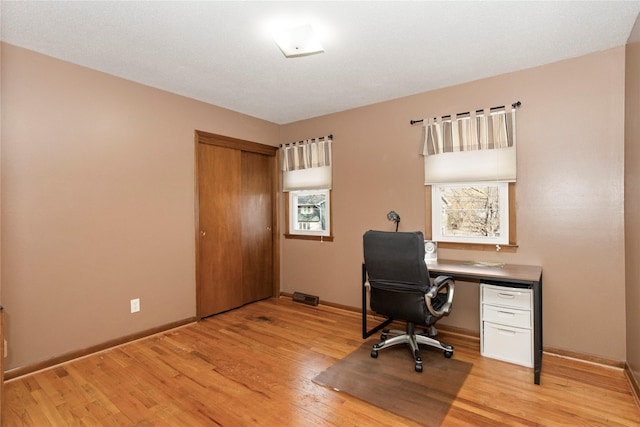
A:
[135,305]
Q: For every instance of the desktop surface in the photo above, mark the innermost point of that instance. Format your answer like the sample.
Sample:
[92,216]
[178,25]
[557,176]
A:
[514,273]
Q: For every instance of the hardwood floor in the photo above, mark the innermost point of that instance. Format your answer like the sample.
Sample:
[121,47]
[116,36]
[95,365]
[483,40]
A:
[254,366]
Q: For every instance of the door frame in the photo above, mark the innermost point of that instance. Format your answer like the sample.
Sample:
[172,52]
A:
[202,137]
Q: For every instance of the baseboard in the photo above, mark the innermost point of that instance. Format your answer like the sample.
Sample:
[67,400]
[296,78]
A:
[584,357]
[29,369]
[475,336]
[635,386]
[288,295]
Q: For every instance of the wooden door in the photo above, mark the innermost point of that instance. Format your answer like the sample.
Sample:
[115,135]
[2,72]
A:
[257,226]
[220,249]
[236,203]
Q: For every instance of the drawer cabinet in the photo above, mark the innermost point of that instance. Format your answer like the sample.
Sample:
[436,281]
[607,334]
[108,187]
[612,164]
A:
[506,324]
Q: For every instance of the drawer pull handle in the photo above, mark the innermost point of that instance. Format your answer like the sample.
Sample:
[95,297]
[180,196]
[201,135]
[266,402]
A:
[506,332]
[507,313]
[507,296]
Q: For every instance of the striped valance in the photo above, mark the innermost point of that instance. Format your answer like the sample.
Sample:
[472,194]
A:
[468,147]
[310,153]
[306,165]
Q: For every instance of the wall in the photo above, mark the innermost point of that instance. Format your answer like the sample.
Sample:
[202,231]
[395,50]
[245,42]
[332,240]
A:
[569,194]
[97,188]
[632,199]
[97,203]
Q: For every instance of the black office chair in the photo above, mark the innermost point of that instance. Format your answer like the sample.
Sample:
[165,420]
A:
[400,289]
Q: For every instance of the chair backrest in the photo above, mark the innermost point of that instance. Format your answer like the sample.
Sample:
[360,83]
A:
[395,257]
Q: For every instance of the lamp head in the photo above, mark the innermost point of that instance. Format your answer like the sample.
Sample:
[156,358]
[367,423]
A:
[393,216]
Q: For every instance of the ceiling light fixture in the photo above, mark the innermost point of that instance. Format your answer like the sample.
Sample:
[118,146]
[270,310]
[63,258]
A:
[298,41]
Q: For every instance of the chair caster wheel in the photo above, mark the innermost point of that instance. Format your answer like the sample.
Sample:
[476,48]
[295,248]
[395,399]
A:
[448,354]
[418,367]
[374,354]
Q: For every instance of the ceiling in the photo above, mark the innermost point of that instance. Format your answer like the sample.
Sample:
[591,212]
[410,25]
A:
[222,52]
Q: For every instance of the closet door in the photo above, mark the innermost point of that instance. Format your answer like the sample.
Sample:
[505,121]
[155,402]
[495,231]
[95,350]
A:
[257,220]
[236,251]
[220,250]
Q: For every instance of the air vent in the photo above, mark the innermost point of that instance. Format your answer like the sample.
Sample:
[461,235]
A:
[305,299]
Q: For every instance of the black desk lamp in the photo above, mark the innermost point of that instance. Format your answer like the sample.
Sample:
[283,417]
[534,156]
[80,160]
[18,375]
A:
[393,216]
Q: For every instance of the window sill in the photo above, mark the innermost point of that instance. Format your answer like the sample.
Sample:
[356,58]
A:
[478,247]
[308,237]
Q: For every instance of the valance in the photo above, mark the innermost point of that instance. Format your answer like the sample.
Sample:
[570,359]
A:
[470,147]
[306,165]
[310,153]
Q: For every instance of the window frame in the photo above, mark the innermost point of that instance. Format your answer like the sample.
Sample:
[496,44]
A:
[503,212]
[291,233]
[511,246]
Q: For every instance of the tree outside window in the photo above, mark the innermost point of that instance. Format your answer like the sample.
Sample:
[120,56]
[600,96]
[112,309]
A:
[471,212]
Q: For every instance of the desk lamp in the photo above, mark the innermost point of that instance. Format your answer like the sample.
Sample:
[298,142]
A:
[393,216]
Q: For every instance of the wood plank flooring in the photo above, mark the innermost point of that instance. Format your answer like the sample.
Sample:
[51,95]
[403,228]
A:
[254,366]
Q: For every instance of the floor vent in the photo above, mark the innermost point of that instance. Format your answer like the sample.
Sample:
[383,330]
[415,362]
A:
[306,299]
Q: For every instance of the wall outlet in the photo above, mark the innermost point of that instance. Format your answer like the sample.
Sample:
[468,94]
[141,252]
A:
[135,305]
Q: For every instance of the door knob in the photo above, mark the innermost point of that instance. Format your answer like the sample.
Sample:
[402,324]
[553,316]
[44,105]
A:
[268,228]
[203,233]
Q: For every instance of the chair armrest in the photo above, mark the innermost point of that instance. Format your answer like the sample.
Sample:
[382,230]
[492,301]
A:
[439,283]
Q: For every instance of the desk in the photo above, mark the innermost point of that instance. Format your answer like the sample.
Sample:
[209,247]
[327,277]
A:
[524,276]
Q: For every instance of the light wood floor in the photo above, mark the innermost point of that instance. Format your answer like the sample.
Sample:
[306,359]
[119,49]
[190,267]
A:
[254,366]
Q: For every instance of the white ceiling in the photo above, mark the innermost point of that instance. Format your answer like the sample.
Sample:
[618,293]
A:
[222,53]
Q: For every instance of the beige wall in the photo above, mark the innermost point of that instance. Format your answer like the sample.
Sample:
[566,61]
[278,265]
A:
[97,203]
[97,188]
[569,194]
[632,199]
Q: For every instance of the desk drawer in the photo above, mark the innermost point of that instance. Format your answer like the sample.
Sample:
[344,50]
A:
[506,316]
[507,343]
[505,296]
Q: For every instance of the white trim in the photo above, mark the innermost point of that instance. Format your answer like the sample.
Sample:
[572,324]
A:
[293,213]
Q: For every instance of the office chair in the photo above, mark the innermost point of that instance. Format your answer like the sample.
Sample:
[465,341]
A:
[400,289]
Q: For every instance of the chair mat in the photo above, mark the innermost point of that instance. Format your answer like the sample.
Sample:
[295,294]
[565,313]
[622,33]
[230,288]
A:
[391,383]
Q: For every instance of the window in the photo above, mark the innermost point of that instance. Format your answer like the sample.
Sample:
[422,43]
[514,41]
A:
[310,212]
[471,212]
[469,176]
[306,177]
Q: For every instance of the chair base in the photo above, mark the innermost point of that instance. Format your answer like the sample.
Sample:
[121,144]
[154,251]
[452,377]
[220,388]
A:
[413,340]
